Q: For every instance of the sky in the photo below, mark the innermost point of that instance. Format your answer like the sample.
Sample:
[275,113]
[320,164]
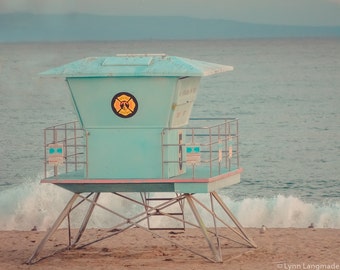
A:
[285,12]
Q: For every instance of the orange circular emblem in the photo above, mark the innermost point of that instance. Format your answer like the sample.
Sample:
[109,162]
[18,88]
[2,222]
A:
[124,105]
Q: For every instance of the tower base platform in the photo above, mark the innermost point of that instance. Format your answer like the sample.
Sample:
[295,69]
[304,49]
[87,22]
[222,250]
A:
[76,183]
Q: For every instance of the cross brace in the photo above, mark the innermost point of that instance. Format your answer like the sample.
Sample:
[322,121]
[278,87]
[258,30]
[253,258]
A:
[212,234]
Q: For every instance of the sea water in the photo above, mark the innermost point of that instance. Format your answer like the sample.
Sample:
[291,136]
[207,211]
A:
[285,92]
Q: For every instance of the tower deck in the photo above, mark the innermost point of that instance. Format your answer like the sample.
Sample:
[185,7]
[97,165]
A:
[208,160]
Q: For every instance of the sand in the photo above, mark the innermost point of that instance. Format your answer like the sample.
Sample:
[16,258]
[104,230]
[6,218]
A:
[284,248]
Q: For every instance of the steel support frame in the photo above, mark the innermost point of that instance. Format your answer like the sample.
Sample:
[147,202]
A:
[212,235]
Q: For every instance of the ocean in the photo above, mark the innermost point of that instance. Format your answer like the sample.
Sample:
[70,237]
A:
[285,93]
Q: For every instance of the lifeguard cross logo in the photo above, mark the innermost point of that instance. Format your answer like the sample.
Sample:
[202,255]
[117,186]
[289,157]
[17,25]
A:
[124,105]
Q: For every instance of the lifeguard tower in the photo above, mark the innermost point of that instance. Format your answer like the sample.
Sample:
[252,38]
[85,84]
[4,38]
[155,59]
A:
[134,136]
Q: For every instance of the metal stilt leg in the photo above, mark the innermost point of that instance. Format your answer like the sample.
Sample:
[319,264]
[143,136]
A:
[215,226]
[203,228]
[52,230]
[233,218]
[86,219]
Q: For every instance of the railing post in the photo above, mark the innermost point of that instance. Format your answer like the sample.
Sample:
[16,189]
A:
[230,140]
[75,146]
[219,153]
[162,141]
[210,151]
[45,153]
[226,142]
[86,157]
[65,147]
[237,145]
[55,138]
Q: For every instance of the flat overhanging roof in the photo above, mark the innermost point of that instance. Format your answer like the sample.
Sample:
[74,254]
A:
[137,65]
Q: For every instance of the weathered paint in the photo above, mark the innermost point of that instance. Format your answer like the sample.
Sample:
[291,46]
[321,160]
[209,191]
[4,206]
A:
[124,103]
[149,65]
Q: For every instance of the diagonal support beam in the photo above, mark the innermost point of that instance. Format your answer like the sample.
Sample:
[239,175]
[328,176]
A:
[86,219]
[52,230]
[203,228]
[233,218]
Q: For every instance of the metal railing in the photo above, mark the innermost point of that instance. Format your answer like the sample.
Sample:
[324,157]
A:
[65,148]
[211,143]
[215,146]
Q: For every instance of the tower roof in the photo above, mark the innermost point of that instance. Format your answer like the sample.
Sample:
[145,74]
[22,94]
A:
[137,65]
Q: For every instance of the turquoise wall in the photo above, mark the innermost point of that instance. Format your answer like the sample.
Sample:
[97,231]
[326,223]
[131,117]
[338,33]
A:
[131,147]
[92,98]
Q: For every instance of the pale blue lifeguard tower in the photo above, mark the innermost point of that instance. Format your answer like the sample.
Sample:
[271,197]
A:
[134,135]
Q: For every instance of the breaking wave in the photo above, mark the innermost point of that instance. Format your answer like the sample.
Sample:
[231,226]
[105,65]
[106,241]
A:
[31,204]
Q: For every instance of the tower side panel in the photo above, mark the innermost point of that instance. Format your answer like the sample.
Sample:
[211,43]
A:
[144,102]
[124,153]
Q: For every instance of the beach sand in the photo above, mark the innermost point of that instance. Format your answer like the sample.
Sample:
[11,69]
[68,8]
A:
[278,248]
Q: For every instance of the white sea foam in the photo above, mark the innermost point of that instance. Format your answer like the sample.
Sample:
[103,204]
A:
[282,211]
[32,204]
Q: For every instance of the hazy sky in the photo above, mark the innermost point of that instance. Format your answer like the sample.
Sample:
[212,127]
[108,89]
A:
[296,12]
